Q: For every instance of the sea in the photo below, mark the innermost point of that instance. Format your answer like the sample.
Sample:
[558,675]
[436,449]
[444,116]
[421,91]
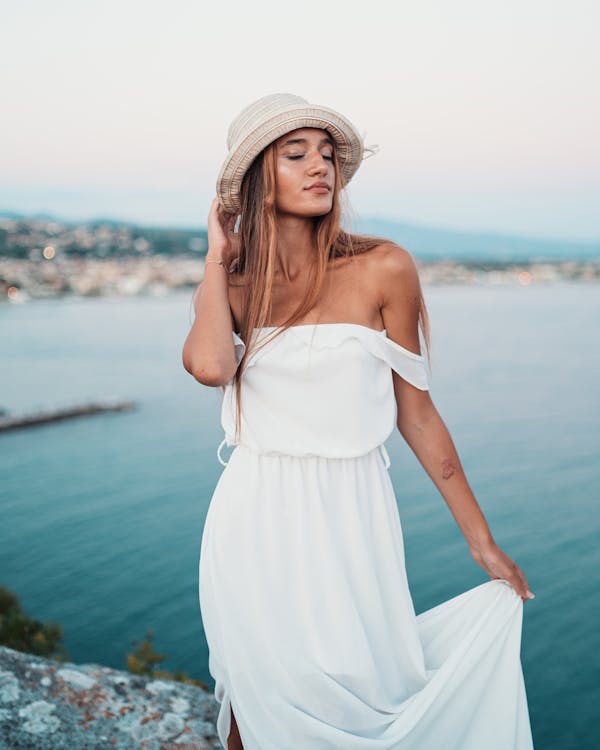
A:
[102,516]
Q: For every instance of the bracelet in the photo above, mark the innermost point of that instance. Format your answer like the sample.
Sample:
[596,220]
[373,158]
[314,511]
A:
[220,262]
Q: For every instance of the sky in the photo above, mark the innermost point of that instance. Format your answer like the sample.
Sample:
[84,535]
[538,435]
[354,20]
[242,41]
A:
[486,114]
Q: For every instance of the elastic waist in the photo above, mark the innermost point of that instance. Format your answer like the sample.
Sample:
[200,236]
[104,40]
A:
[381,447]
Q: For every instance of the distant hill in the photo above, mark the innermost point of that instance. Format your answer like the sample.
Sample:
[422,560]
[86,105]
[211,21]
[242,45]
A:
[92,221]
[426,243]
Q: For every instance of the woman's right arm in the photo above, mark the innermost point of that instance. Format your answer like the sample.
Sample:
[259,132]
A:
[209,352]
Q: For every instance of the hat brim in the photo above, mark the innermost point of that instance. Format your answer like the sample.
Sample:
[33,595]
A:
[348,142]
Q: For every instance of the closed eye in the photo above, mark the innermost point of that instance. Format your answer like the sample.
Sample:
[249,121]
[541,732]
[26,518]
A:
[329,158]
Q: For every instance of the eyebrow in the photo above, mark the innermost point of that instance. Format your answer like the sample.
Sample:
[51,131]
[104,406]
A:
[326,140]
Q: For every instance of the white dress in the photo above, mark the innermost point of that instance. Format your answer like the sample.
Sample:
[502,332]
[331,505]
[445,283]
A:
[312,634]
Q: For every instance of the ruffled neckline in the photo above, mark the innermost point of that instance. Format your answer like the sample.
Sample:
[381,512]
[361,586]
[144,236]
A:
[355,330]
[321,336]
[321,325]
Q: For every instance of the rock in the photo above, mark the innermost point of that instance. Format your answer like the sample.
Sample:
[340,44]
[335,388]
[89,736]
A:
[75,679]
[51,705]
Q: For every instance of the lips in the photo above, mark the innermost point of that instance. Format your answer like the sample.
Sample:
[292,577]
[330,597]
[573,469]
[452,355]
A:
[319,187]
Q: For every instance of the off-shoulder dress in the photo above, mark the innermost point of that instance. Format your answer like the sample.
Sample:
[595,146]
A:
[312,634]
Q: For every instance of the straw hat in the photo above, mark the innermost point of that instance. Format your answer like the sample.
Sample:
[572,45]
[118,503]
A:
[266,120]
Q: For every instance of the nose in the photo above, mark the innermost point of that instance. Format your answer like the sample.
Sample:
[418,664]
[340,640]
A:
[318,163]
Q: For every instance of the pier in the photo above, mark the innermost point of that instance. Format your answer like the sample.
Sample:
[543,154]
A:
[57,415]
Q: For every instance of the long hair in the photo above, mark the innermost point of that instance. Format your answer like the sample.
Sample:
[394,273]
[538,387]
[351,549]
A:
[256,261]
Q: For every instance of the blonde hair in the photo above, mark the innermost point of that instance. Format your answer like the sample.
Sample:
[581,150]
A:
[256,260]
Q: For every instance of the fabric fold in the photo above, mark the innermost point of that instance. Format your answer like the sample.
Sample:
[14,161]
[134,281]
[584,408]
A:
[239,345]
[313,637]
[312,376]
[409,365]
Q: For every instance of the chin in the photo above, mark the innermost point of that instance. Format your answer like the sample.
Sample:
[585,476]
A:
[304,209]
[311,213]
[320,207]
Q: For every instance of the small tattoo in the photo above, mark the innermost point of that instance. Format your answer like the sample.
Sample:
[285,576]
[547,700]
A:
[448,468]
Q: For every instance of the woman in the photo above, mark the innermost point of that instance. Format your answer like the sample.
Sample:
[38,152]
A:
[313,335]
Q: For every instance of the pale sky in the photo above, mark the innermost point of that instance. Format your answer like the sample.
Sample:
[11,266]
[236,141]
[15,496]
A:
[487,114]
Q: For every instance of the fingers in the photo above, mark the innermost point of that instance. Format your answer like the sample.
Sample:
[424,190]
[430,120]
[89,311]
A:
[214,210]
[226,218]
[499,565]
[522,587]
[217,208]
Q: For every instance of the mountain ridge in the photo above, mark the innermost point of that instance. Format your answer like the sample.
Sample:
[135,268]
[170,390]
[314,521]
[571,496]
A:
[428,243]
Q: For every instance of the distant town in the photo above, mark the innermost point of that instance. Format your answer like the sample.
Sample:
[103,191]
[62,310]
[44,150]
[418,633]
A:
[42,258]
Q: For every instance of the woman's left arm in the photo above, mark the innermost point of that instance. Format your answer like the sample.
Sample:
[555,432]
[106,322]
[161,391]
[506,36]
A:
[423,428]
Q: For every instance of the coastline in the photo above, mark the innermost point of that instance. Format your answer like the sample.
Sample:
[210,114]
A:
[157,275]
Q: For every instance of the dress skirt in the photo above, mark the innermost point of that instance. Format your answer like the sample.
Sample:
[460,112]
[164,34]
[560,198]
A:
[312,633]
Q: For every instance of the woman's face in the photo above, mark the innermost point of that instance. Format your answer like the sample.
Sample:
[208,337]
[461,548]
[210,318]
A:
[305,173]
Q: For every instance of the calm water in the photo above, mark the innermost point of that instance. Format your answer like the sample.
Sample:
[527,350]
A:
[102,517]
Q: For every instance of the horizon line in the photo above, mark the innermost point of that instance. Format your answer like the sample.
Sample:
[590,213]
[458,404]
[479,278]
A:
[7,213]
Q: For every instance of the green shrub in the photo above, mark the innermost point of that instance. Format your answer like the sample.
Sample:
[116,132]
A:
[21,632]
[144,660]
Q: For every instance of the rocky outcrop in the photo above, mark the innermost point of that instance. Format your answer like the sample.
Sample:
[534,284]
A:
[51,705]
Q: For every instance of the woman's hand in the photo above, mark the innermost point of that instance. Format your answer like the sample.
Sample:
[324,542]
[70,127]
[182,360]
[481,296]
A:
[223,242]
[498,564]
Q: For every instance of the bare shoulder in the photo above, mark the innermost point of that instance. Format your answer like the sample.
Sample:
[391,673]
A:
[393,272]
[395,258]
